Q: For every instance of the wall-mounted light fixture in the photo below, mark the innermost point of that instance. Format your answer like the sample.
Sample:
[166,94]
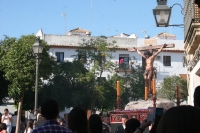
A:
[162,13]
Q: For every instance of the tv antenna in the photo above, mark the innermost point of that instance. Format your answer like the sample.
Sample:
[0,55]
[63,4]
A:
[144,32]
[64,16]
[91,11]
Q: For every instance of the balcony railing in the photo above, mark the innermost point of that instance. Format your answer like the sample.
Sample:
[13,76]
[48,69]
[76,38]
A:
[192,63]
[123,67]
[191,15]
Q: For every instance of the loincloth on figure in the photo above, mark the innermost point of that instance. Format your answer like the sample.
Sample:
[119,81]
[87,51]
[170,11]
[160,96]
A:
[146,72]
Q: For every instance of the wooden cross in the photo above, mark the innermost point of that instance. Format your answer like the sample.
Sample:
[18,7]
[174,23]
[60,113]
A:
[150,48]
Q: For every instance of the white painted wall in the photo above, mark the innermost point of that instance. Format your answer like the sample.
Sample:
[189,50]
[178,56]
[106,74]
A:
[194,82]
[68,53]
[176,67]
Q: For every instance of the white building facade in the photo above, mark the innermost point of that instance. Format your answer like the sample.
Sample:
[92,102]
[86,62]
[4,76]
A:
[169,62]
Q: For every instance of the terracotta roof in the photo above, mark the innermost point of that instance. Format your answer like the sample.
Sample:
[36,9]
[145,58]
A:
[79,30]
[120,48]
[148,42]
[164,34]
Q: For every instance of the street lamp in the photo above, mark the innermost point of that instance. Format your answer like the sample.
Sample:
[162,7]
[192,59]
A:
[162,13]
[37,49]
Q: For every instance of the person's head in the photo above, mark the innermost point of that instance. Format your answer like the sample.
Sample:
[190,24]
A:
[50,109]
[77,120]
[182,119]
[38,110]
[32,111]
[197,97]
[6,111]
[131,125]
[95,124]
[147,54]
[3,126]
[40,118]
[15,113]
[105,119]
[124,118]
[29,124]
[66,116]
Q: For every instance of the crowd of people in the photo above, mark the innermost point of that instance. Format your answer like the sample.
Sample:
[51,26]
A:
[181,119]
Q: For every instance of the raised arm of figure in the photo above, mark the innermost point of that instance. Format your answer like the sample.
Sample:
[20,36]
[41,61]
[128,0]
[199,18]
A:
[138,51]
[160,50]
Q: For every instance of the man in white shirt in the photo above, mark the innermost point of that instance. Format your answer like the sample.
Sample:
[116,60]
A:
[7,119]
[31,115]
[121,128]
[14,122]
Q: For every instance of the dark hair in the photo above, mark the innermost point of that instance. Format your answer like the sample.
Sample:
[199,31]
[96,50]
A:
[5,109]
[77,120]
[95,124]
[147,53]
[29,124]
[131,125]
[125,116]
[182,119]
[15,113]
[3,126]
[197,96]
[50,109]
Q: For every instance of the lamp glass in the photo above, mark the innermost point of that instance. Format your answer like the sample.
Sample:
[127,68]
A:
[37,47]
[162,14]
[162,17]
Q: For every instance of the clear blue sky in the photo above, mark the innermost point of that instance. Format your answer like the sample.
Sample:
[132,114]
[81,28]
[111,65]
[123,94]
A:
[102,17]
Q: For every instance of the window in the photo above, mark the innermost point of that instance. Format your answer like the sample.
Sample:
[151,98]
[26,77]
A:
[157,58]
[82,56]
[184,61]
[124,61]
[101,59]
[166,60]
[60,56]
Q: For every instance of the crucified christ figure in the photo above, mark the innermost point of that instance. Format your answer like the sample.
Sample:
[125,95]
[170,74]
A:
[149,65]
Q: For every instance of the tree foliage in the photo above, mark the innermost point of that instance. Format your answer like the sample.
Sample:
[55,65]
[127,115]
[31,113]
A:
[18,63]
[135,83]
[96,55]
[3,86]
[132,82]
[64,84]
[168,88]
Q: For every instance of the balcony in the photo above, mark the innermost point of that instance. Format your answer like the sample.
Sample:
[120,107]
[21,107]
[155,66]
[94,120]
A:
[191,26]
[192,63]
[124,67]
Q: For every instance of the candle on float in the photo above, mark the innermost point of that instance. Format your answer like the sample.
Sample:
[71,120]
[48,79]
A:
[146,93]
[154,86]
[178,92]
[88,113]
[118,88]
